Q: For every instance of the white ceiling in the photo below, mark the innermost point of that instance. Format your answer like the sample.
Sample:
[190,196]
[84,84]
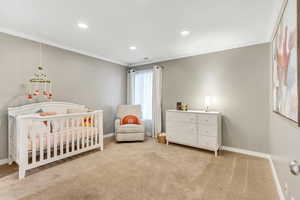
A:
[153,26]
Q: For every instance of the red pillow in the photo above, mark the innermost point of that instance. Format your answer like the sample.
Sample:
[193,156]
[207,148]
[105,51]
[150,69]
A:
[130,119]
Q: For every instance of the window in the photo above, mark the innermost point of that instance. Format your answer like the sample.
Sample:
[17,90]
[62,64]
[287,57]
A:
[143,92]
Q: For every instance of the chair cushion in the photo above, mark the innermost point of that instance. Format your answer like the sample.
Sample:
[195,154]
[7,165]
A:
[131,128]
[130,119]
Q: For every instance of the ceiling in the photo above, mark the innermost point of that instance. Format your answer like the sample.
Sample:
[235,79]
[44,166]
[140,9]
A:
[152,26]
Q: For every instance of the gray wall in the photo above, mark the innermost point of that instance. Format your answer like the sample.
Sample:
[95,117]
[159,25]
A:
[284,147]
[241,81]
[76,78]
[239,78]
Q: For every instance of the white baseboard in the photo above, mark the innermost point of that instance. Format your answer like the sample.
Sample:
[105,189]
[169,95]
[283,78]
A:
[261,155]
[3,161]
[108,135]
[276,179]
[247,152]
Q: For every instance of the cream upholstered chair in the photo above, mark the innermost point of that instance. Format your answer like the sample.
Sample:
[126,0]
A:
[129,132]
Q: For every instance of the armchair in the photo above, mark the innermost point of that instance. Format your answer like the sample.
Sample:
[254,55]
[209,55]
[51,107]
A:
[129,132]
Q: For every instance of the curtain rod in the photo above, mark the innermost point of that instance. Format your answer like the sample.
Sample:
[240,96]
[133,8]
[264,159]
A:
[139,68]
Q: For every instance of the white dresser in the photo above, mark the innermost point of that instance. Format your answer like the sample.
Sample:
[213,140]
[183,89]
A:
[195,128]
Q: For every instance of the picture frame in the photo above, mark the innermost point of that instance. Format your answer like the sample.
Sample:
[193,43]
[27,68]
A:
[286,63]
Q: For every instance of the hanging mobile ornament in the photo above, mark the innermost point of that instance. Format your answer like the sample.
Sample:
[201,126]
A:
[40,84]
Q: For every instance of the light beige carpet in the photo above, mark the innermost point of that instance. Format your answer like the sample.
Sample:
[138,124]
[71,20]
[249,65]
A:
[146,171]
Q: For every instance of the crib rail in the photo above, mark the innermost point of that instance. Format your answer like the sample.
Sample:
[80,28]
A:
[52,138]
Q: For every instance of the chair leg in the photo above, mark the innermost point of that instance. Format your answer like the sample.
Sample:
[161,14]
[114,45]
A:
[216,153]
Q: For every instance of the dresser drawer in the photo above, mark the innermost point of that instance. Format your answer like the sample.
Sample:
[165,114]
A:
[208,119]
[211,130]
[181,126]
[181,117]
[183,134]
[208,141]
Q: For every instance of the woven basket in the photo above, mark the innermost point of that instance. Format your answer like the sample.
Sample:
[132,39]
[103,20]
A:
[161,138]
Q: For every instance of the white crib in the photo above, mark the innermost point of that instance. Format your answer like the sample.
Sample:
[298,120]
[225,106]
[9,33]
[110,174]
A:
[36,140]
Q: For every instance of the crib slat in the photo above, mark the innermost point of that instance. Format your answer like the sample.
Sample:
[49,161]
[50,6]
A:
[77,132]
[41,138]
[61,137]
[33,146]
[82,133]
[54,142]
[72,125]
[93,132]
[88,131]
[96,127]
[100,125]
[48,137]
[67,134]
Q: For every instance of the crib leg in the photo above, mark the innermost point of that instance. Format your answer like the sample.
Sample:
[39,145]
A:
[101,143]
[22,173]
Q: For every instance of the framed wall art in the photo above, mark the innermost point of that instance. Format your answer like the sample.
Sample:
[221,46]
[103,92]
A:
[285,64]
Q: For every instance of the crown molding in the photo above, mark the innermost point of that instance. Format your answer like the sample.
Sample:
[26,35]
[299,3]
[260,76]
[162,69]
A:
[50,43]
[197,53]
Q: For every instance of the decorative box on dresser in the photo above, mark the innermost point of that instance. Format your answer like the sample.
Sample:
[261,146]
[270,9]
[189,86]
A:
[195,128]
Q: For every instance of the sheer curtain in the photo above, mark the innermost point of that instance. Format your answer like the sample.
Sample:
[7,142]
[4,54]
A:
[144,87]
[130,86]
[142,94]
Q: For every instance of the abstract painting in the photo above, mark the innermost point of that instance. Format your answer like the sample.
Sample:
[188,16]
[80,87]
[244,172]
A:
[285,64]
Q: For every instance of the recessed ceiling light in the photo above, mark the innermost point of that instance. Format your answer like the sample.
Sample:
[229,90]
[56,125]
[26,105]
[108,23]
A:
[132,48]
[82,25]
[184,33]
